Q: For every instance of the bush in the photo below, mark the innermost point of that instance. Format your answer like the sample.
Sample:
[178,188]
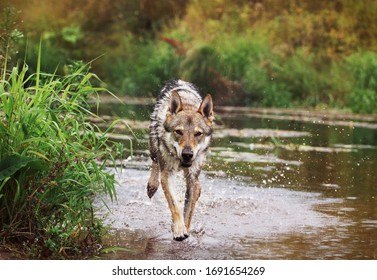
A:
[49,163]
[249,62]
[306,80]
[140,68]
[238,53]
[201,66]
[363,73]
[266,89]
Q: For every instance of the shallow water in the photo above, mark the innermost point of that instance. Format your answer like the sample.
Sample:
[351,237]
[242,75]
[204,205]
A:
[278,184]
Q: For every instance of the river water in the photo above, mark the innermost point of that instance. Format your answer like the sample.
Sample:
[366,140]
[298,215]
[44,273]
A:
[278,184]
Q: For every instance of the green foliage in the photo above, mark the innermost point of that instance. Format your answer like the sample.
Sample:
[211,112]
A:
[259,53]
[239,53]
[9,35]
[201,66]
[300,76]
[52,60]
[138,68]
[258,69]
[50,166]
[14,163]
[363,73]
[72,34]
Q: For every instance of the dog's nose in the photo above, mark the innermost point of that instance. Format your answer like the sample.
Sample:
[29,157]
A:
[187,154]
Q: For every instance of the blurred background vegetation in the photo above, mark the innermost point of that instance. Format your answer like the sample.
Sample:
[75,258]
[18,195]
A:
[282,53]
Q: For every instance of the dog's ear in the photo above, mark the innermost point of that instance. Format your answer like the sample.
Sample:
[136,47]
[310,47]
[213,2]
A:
[206,108]
[175,103]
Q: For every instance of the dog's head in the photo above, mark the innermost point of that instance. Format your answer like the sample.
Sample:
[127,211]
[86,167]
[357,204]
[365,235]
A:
[190,130]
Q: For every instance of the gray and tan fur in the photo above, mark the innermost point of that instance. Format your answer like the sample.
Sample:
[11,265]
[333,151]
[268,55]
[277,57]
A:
[179,139]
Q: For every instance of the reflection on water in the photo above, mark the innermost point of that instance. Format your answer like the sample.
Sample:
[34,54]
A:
[282,185]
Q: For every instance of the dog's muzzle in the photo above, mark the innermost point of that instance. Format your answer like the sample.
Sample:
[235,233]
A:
[187,156]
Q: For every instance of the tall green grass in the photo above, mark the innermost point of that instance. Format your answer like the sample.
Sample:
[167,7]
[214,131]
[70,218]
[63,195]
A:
[51,163]
[362,67]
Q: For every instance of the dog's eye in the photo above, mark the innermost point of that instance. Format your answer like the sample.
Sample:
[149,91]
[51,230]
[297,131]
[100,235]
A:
[198,133]
[178,132]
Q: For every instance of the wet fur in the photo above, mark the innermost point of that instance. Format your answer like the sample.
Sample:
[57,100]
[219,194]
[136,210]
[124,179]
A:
[180,133]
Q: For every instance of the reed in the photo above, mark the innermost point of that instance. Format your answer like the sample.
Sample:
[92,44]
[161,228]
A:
[52,162]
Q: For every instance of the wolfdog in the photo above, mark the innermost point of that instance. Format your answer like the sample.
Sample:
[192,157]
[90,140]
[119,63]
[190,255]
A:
[180,133]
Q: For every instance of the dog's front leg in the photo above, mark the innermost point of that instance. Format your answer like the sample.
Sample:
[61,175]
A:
[192,195]
[179,228]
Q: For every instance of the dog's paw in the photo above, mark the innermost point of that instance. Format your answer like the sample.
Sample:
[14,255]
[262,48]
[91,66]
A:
[181,238]
[179,232]
[151,190]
